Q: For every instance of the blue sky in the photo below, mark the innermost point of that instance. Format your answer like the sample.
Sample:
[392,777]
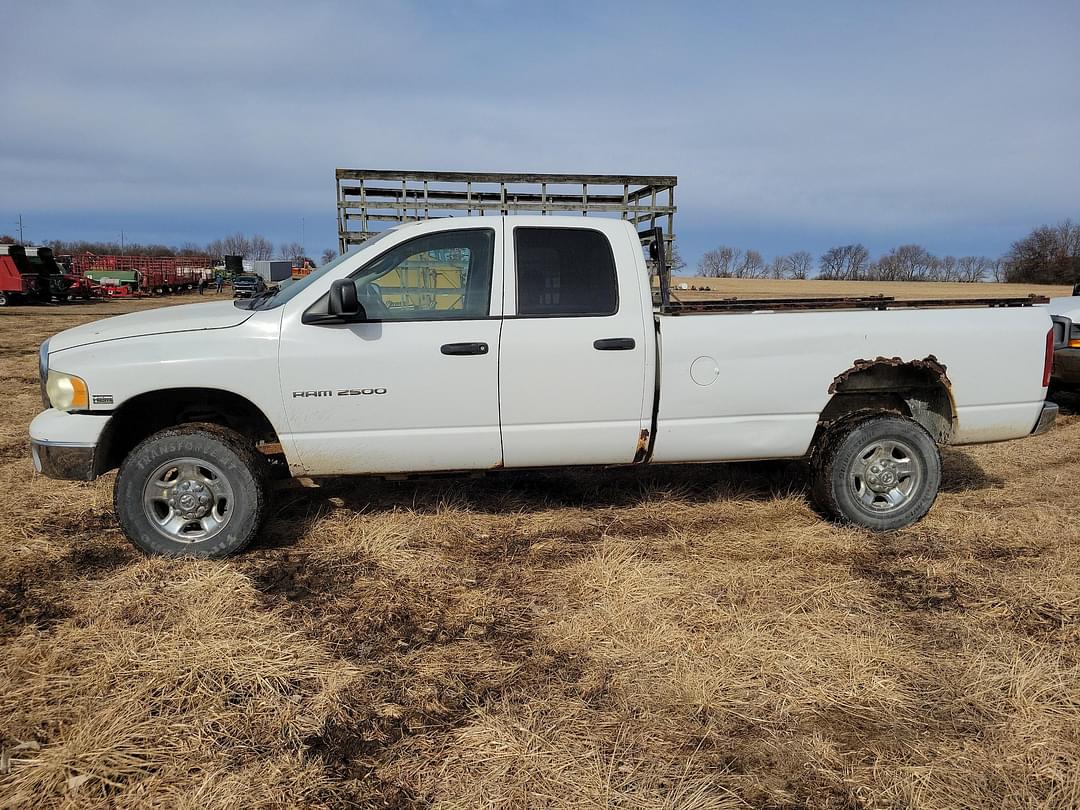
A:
[790,125]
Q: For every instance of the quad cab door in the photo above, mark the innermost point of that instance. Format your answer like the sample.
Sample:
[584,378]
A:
[414,386]
[576,347]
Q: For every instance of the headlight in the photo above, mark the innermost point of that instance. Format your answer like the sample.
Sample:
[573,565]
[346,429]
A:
[67,392]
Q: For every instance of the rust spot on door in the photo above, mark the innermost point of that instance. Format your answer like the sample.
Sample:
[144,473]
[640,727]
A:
[642,446]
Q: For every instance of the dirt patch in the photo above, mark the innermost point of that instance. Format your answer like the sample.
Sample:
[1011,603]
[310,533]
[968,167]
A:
[95,559]
[25,603]
[914,589]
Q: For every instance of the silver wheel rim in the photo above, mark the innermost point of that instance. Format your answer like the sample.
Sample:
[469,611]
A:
[188,500]
[885,476]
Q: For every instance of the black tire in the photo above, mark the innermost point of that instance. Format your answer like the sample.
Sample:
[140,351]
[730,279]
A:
[227,460]
[860,467]
[3,299]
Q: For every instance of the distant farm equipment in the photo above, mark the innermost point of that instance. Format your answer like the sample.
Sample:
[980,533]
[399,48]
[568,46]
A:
[32,274]
[142,275]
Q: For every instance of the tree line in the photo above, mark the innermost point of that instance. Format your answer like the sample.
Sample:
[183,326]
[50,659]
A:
[254,247]
[1048,255]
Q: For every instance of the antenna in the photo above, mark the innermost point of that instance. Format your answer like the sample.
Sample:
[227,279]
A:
[19,223]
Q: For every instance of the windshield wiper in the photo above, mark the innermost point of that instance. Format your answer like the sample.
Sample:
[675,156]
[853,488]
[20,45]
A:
[265,295]
[257,298]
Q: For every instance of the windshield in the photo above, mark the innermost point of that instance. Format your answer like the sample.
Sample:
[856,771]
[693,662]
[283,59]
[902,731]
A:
[288,290]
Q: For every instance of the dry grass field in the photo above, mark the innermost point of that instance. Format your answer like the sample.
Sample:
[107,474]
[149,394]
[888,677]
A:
[901,290]
[681,638]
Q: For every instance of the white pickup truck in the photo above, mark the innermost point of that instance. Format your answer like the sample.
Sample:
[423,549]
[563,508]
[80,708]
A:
[482,343]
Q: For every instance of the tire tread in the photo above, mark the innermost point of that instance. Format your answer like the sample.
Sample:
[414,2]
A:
[245,451]
[823,493]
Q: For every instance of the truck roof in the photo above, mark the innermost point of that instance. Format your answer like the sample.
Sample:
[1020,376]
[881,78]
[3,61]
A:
[609,224]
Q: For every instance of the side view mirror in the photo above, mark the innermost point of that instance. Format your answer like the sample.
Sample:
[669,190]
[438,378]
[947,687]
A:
[343,302]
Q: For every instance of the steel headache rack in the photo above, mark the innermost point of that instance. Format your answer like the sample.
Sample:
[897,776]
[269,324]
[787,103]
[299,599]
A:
[370,200]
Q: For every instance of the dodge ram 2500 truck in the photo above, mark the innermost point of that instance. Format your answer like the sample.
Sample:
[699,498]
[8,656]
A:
[481,343]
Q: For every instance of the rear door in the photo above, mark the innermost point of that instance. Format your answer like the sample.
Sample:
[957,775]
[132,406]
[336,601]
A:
[573,356]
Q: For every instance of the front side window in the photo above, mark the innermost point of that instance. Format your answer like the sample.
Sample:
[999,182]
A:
[440,276]
[565,272]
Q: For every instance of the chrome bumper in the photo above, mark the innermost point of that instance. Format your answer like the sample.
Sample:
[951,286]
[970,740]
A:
[1046,418]
[73,462]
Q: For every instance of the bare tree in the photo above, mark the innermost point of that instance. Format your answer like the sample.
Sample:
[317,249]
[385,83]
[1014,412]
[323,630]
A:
[948,269]
[798,265]
[261,248]
[974,268]
[717,263]
[750,265]
[844,262]
[329,255]
[236,245]
[292,251]
[215,248]
[677,262]
[777,267]
[907,263]
[1047,255]
[999,270]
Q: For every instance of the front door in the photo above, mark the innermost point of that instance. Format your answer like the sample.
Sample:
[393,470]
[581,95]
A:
[574,348]
[414,387]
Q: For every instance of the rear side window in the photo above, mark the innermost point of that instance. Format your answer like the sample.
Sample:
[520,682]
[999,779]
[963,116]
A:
[565,271]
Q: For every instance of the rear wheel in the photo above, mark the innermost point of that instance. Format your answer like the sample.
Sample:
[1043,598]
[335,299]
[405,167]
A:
[192,491]
[880,473]
[3,299]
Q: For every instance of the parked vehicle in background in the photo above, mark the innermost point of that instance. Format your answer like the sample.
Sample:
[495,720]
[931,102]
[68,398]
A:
[541,346]
[274,271]
[1066,373]
[17,283]
[30,274]
[247,285]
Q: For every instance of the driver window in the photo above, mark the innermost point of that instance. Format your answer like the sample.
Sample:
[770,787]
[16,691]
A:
[441,276]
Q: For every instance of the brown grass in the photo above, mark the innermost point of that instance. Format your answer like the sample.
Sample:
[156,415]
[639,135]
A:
[671,637]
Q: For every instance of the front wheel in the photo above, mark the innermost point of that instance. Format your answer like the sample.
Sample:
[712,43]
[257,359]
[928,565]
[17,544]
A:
[881,473]
[3,299]
[192,491]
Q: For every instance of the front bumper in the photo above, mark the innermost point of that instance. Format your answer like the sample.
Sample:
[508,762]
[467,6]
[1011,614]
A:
[73,462]
[1046,418]
[1066,373]
[65,445]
